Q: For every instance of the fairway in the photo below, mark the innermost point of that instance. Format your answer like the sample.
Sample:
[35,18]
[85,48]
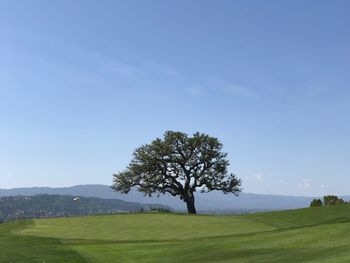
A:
[303,235]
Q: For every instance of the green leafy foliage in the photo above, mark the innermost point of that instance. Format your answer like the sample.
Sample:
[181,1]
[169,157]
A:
[316,202]
[333,200]
[179,165]
[328,200]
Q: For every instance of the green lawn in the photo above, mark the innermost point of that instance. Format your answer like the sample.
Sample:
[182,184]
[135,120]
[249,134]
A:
[303,235]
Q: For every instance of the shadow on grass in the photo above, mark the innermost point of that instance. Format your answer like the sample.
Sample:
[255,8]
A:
[225,254]
[16,248]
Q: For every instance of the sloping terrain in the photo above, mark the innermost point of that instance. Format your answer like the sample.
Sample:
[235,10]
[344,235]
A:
[305,235]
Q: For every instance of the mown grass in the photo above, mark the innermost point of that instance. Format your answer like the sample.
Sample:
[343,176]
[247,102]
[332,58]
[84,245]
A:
[303,235]
[141,227]
[18,248]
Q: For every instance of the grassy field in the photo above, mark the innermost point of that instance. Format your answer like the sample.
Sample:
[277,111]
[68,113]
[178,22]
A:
[303,235]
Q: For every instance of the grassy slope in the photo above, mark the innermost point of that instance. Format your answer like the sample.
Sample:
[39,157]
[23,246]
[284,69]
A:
[304,235]
[25,249]
[141,227]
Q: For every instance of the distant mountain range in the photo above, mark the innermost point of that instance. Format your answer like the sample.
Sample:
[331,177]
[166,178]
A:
[209,202]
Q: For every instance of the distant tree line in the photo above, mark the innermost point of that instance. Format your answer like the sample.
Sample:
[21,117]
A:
[47,206]
[327,201]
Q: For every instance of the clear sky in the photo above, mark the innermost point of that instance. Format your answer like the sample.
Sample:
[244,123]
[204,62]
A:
[83,83]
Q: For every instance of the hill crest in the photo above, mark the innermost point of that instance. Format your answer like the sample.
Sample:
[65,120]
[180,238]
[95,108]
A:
[210,202]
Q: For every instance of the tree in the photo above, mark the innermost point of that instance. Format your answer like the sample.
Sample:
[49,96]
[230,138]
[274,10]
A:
[316,202]
[179,165]
[333,200]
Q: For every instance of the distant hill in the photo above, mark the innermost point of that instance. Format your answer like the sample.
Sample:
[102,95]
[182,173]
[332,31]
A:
[210,202]
[46,206]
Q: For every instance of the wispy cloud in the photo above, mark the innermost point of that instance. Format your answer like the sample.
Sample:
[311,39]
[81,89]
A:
[255,178]
[319,90]
[126,70]
[196,90]
[258,177]
[324,186]
[227,88]
[306,183]
[240,91]
[162,69]
[149,70]
[116,66]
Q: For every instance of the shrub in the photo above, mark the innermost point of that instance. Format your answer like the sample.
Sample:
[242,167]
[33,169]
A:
[160,209]
[316,202]
[333,200]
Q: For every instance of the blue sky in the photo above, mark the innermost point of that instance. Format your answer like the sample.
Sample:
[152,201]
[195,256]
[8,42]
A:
[83,83]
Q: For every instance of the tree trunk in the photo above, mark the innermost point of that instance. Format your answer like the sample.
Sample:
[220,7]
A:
[189,199]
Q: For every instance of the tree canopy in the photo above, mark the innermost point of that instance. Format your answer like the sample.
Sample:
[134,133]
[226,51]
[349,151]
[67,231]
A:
[179,165]
[328,200]
[316,202]
[333,200]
